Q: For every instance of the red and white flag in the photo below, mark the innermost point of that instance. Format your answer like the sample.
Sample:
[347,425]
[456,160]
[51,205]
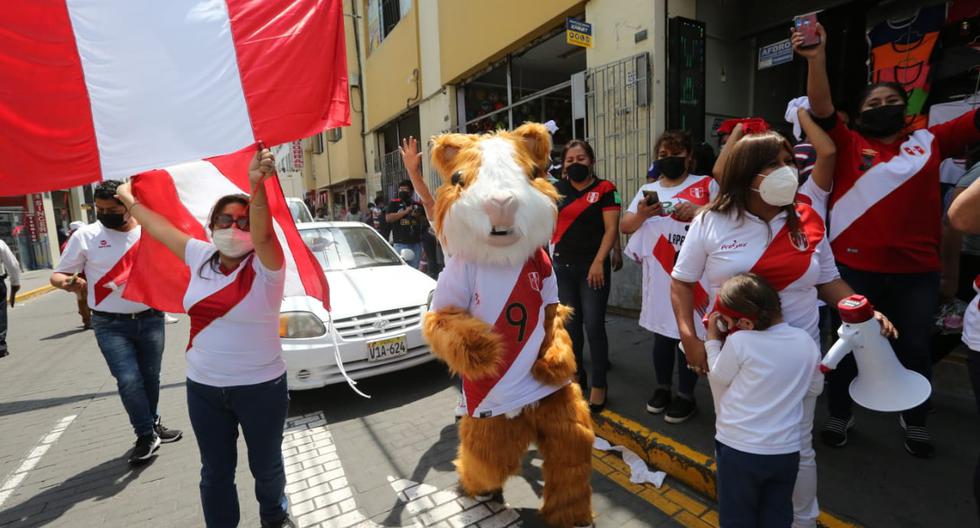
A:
[105,89]
[185,195]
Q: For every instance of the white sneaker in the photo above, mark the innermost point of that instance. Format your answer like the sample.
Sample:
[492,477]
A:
[169,319]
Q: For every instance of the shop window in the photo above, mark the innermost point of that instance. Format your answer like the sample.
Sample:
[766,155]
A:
[532,85]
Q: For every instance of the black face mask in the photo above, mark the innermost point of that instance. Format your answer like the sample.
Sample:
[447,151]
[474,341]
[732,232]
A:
[577,172]
[673,167]
[405,196]
[882,121]
[112,220]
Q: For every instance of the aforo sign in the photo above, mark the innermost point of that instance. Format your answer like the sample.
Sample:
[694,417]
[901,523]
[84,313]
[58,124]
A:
[578,33]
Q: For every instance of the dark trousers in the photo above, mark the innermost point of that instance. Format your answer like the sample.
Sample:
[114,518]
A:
[133,350]
[665,354]
[973,362]
[3,315]
[432,267]
[589,305]
[755,491]
[216,413]
[909,301]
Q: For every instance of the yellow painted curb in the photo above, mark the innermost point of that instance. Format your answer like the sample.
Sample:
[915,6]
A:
[23,296]
[696,470]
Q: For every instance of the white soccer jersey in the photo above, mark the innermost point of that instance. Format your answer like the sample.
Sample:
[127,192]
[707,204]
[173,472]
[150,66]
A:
[106,257]
[656,245]
[234,320]
[719,246]
[512,299]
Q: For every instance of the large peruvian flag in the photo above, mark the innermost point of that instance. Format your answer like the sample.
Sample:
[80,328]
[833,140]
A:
[105,89]
[185,194]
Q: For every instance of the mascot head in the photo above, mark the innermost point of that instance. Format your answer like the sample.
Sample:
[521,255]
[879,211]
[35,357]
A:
[495,205]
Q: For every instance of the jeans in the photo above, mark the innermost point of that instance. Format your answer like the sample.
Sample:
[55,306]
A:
[909,301]
[416,248]
[755,490]
[216,413]
[589,305]
[665,351]
[3,316]
[133,349]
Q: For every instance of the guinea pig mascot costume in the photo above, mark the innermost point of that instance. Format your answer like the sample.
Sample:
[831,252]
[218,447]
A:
[497,323]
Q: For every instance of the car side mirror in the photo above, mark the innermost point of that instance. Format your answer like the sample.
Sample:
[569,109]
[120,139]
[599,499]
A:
[407,255]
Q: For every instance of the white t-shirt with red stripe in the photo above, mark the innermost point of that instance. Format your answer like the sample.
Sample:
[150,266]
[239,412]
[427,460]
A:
[99,252]
[656,244]
[513,300]
[971,320]
[236,319]
[719,246]
[885,205]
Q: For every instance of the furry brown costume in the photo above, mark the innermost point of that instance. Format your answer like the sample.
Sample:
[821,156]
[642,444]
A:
[495,211]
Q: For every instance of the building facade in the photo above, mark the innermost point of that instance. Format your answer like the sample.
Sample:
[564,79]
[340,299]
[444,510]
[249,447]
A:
[423,67]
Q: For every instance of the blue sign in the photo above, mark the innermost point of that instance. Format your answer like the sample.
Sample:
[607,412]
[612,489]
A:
[775,54]
[578,33]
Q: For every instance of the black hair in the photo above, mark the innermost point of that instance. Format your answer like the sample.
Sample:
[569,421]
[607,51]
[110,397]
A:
[214,260]
[107,190]
[578,143]
[704,159]
[406,183]
[866,92]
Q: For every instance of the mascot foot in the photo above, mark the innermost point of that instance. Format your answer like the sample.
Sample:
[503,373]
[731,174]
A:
[492,496]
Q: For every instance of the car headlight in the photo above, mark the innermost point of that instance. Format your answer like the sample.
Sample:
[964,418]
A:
[428,303]
[294,325]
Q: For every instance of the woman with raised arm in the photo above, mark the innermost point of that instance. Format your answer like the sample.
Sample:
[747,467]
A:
[886,224]
[235,372]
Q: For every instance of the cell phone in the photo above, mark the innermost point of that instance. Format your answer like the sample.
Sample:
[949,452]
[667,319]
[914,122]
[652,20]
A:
[651,197]
[807,26]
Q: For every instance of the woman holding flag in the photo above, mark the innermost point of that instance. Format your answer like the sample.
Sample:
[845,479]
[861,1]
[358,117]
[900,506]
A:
[588,222]
[756,225]
[235,372]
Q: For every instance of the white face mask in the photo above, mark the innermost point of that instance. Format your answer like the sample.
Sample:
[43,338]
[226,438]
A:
[232,242]
[779,187]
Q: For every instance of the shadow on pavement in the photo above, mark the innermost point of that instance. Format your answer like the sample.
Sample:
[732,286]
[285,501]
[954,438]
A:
[64,334]
[433,458]
[22,406]
[101,482]
[387,391]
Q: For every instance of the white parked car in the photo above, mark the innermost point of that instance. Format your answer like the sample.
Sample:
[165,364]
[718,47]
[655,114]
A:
[378,302]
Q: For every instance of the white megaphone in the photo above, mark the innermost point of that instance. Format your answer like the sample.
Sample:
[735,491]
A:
[882,384]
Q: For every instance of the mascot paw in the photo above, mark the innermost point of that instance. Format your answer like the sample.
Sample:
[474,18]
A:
[468,345]
[556,363]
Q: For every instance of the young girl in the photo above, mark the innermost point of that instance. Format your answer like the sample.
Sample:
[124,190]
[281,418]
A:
[759,378]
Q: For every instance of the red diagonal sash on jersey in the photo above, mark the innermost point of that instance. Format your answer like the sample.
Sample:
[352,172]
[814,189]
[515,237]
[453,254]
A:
[666,255]
[568,215]
[515,324]
[698,193]
[219,303]
[117,276]
[787,258]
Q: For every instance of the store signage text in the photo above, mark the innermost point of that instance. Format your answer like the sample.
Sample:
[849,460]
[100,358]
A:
[578,33]
[775,54]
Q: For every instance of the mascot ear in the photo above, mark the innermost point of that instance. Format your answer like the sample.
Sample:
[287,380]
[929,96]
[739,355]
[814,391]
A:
[445,149]
[537,142]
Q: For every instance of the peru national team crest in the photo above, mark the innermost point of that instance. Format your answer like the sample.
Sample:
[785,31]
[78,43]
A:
[592,197]
[535,279]
[799,240]
[697,193]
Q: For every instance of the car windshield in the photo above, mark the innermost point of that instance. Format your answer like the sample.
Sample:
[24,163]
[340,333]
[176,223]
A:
[344,248]
[299,211]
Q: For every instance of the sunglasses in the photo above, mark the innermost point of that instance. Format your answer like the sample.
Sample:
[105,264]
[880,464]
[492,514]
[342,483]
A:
[224,221]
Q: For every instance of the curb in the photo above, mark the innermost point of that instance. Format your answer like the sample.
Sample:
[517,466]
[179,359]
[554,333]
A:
[36,292]
[695,470]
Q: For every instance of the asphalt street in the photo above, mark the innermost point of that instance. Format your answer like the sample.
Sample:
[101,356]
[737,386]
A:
[349,461]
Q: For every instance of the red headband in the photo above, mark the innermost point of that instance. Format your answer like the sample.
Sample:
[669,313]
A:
[728,312]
